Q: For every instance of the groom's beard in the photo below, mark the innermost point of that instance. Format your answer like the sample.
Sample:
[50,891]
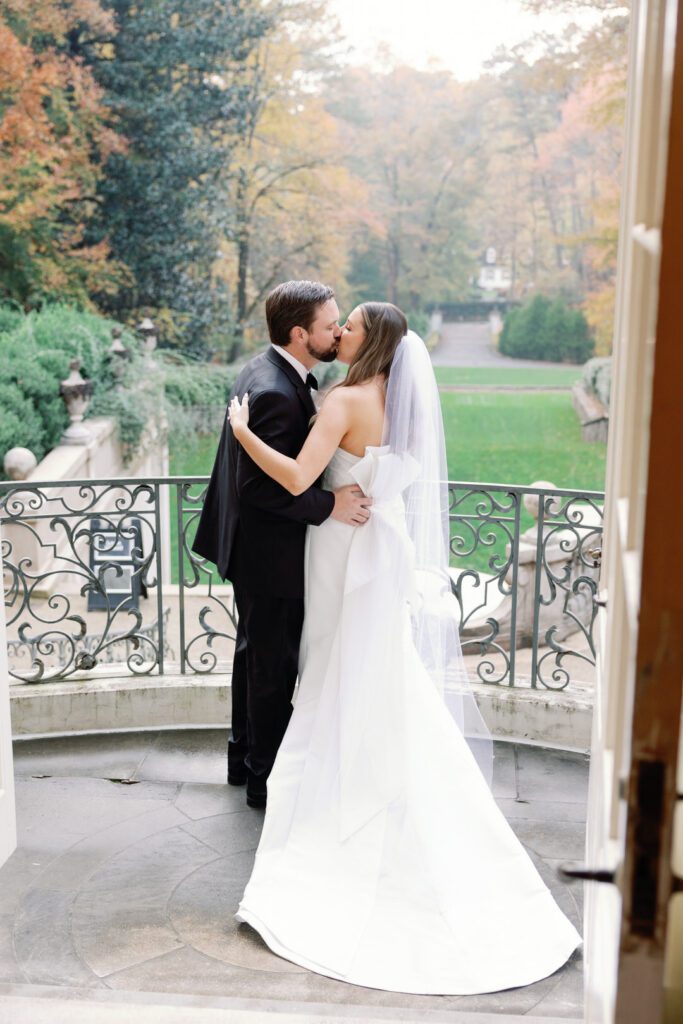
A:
[324,356]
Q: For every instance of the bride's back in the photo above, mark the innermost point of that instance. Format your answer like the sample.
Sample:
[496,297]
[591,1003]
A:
[365,405]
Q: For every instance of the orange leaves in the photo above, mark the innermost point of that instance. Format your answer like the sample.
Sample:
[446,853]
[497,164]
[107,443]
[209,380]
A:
[33,18]
[54,138]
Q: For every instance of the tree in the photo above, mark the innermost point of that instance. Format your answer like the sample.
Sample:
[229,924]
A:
[294,202]
[584,154]
[555,129]
[170,71]
[54,138]
[413,139]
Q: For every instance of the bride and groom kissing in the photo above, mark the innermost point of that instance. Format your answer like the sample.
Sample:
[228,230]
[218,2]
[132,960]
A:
[384,859]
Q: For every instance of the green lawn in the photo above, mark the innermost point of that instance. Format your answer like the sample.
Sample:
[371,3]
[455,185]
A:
[494,437]
[498,437]
[515,376]
[491,437]
[195,459]
[190,460]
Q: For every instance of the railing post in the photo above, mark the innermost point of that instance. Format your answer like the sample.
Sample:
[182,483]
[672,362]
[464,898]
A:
[537,590]
[160,577]
[181,570]
[515,571]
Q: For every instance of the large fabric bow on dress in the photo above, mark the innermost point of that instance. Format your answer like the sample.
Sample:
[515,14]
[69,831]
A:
[380,583]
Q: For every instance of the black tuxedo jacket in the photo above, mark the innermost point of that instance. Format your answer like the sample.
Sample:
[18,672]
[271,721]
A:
[250,527]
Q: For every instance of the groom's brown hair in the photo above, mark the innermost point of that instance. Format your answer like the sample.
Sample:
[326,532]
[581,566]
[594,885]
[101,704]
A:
[294,304]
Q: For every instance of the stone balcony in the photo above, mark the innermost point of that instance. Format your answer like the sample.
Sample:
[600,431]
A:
[133,853]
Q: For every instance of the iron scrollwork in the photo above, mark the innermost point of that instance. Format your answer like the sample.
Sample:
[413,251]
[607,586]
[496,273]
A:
[514,588]
[48,537]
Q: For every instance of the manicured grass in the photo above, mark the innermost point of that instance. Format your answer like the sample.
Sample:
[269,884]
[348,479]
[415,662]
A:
[514,376]
[194,459]
[491,437]
[498,437]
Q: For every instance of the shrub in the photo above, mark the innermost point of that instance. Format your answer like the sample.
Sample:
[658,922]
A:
[546,330]
[44,416]
[10,317]
[504,344]
[597,377]
[130,410]
[189,384]
[20,424]
[35,350]
[581,345]
[419,322]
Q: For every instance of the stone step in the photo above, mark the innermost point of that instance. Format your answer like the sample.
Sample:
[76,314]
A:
[36,1004]
[551,718]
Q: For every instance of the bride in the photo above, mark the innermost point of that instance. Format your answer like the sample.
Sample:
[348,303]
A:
[384,859]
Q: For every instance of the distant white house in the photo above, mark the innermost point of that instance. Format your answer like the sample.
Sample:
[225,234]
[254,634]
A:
[494,276]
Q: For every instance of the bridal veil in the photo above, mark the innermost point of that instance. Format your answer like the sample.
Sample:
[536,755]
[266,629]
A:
[413,432]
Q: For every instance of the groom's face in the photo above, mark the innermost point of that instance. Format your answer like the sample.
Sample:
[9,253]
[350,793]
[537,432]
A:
[322,339]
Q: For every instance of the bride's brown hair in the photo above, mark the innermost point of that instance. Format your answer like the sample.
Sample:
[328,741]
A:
[385,325]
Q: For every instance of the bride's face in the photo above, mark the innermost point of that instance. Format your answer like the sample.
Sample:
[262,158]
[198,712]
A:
[352,337]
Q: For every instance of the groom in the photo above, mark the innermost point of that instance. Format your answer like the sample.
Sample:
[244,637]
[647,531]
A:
[253,530]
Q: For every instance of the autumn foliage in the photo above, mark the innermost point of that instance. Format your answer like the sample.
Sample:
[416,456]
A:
[54,138]
[182,158]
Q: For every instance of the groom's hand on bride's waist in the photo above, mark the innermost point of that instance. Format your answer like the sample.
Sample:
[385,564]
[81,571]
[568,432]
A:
[351,506]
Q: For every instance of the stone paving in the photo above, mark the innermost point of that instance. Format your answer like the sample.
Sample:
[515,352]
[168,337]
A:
[133,854]
[470,344]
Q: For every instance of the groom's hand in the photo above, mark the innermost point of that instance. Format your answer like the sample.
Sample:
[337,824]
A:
[351,506]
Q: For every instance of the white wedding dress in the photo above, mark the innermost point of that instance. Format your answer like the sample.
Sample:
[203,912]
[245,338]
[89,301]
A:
[384,859]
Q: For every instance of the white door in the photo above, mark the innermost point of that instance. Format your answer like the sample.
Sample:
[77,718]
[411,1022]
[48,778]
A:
[616,722]
[8,824]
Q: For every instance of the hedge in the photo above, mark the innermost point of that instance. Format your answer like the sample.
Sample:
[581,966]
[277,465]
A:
[546,330]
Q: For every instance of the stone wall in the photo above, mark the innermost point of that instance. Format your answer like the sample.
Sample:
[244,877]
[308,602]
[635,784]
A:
[591,412]
[102,458]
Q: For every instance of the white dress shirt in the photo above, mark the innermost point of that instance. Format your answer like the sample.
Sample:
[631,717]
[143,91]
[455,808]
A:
[299,367]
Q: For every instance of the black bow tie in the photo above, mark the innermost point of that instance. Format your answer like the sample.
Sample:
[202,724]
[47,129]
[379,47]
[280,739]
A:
[311,382]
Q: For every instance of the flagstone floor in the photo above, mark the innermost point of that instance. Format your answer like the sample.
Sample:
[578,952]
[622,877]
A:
[133,853]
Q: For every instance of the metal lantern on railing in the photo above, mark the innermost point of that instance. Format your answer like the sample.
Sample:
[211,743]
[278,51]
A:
[148,330]
[76,392]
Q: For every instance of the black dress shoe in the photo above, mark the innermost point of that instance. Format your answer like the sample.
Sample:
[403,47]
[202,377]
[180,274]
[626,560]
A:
[237,778]
[256,789]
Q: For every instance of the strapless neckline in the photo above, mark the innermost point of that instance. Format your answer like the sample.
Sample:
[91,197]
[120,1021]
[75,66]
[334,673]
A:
[343,451]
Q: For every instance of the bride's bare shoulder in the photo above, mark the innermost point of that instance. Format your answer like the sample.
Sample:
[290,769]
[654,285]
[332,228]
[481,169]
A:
[355,402]
[367,392]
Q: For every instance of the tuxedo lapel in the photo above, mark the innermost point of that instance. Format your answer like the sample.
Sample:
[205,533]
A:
[291,373]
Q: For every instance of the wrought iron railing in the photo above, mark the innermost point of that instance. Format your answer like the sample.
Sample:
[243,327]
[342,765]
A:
[99,577]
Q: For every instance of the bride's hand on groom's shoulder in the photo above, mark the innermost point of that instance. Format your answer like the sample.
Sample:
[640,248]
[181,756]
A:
[238,413]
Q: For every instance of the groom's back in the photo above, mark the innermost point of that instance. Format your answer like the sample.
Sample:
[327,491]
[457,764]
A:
[242,528]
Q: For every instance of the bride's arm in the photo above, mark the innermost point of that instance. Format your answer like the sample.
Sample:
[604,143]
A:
[295,475]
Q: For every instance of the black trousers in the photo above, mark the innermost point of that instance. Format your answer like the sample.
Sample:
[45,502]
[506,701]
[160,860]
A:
[264,672]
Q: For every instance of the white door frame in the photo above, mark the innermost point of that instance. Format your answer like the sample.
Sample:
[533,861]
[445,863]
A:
[637,706]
